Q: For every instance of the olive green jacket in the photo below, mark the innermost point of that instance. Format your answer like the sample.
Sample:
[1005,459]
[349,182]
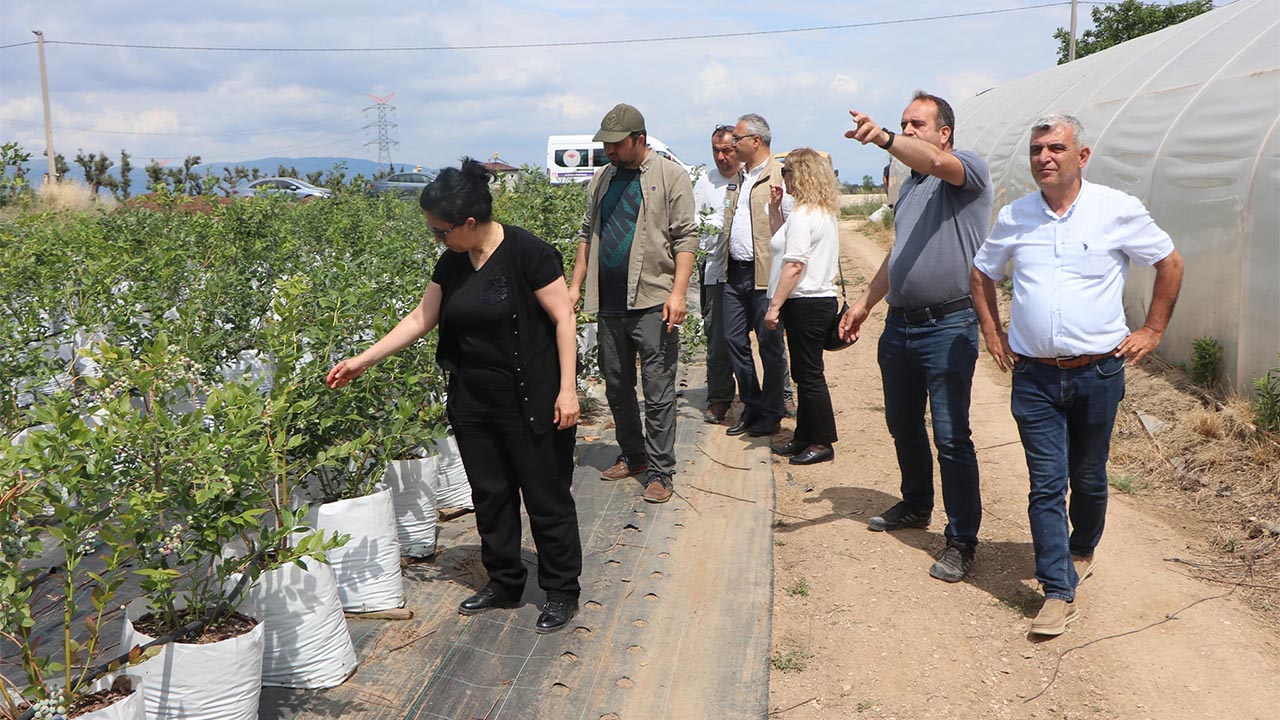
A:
[665,226]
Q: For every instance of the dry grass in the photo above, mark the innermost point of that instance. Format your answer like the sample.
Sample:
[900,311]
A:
[1210,461]
[71,196]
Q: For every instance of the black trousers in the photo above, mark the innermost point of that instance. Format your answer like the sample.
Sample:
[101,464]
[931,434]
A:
[504,461]
[807,321]
[744,309]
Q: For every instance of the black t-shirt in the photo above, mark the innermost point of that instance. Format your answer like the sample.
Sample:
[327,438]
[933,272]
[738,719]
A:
[619,209]
[478,315]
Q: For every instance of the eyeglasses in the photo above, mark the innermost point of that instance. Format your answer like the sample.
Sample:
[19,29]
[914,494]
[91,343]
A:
[739,138]
[440,234]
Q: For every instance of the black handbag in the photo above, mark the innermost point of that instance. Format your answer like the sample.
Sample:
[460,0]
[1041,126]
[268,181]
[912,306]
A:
[833,340]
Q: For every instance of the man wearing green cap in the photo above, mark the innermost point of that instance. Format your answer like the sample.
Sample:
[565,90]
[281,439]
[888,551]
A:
[635,254]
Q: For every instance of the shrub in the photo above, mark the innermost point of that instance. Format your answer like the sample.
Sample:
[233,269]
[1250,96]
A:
[1206,362]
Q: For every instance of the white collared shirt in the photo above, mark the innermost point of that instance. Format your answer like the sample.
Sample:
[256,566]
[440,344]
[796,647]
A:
[741,244]
[708,200]
[811,237]
[1069,271]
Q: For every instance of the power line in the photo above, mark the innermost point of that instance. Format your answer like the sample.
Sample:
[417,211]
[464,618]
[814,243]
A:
[573,43]
[308,127]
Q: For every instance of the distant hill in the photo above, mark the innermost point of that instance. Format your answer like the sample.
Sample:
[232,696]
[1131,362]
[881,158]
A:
[267,166]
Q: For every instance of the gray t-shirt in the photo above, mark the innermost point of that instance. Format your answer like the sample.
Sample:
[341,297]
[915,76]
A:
[938,228]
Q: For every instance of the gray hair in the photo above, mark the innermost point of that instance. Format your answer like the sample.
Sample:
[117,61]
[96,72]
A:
[1060,119]
[757,125]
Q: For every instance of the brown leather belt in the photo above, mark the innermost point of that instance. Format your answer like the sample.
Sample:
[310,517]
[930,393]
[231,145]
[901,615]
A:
[1075,361]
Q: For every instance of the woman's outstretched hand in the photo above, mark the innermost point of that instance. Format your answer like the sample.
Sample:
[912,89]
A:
[344,372]
[566,409]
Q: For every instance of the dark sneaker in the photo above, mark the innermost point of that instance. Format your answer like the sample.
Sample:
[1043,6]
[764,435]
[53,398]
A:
[902,515]
[953,565]
[621,469]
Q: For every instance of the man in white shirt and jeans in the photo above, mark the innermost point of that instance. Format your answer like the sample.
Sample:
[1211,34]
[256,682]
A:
[1071,244]
[708,199]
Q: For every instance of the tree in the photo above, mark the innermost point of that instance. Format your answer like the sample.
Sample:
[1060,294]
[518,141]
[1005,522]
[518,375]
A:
[95,167]
[314,177]
[155,175]
[126,167]
[1114,24]
[868,184]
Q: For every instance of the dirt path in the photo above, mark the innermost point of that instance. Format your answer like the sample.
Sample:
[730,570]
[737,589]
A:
[861,630]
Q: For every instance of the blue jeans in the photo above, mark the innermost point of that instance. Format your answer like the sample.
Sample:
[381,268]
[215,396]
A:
[934,361]
[1065,419]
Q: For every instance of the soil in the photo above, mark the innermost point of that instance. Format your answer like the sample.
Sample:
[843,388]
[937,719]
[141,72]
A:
[119,690]
[1179,620]
[234,625]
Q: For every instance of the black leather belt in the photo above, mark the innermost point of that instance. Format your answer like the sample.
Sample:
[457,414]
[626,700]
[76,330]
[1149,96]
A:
[742,263]
[933,312]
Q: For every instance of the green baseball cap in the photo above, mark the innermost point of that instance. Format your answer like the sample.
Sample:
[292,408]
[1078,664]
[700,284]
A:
[618,123]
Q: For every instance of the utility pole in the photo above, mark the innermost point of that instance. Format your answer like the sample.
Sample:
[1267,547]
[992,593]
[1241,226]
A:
[52,175]
[1071,47]
[384,126]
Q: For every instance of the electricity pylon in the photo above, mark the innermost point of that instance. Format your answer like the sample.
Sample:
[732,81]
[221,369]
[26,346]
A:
[384,126]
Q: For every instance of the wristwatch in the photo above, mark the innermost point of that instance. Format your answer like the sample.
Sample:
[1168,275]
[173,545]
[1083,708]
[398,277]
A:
[888,144]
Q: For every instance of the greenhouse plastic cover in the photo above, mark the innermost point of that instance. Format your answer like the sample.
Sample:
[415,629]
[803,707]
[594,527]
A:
[1185,119]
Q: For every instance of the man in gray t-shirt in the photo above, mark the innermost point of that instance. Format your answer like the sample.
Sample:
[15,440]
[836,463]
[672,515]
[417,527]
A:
[930,342]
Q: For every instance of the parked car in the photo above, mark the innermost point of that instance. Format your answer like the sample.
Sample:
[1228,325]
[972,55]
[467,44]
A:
[284,186]
[407,184]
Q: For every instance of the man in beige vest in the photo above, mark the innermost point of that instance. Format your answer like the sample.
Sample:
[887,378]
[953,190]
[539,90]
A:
[750,220]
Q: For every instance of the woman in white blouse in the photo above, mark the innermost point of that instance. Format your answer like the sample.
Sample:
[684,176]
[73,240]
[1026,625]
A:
[802,293]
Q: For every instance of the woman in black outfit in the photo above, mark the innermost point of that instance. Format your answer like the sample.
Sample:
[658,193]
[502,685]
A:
[508,342]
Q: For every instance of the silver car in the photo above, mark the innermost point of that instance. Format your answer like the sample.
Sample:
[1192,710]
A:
[283,186]
[407,184]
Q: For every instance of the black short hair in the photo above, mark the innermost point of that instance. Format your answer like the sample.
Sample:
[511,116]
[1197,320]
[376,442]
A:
[460,193]
[946,116]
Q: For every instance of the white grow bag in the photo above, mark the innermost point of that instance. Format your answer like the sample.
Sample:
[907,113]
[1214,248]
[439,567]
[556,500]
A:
[306,642]
[411,483]
[217,681]
[368,566]
[452,488]
[131,707]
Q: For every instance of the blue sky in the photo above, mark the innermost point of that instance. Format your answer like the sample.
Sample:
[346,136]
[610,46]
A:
[244,105]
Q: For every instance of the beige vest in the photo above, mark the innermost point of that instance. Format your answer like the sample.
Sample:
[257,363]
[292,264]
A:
[761,233]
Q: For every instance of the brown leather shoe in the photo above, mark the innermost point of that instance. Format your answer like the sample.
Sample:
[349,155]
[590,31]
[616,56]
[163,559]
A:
[620,470]
[657,492]
[715,412]
[1054,617]
[1084,567]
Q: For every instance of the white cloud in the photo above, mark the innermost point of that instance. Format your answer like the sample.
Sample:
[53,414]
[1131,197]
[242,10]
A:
[845,86]
[568,106]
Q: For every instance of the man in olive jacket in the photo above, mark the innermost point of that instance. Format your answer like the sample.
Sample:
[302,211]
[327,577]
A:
[636,253]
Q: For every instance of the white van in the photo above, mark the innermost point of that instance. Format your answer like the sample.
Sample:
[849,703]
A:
[575,158]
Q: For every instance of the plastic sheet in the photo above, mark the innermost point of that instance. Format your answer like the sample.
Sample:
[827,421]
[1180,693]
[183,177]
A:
[1184,119]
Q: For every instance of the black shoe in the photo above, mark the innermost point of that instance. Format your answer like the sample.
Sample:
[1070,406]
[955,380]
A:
[902,515]
[764,430]
[738,428]
[487,599]
[555,613]
[810,456]
[954,563]
[789,449]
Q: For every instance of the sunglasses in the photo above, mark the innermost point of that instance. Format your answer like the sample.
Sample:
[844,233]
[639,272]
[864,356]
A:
[441,234]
